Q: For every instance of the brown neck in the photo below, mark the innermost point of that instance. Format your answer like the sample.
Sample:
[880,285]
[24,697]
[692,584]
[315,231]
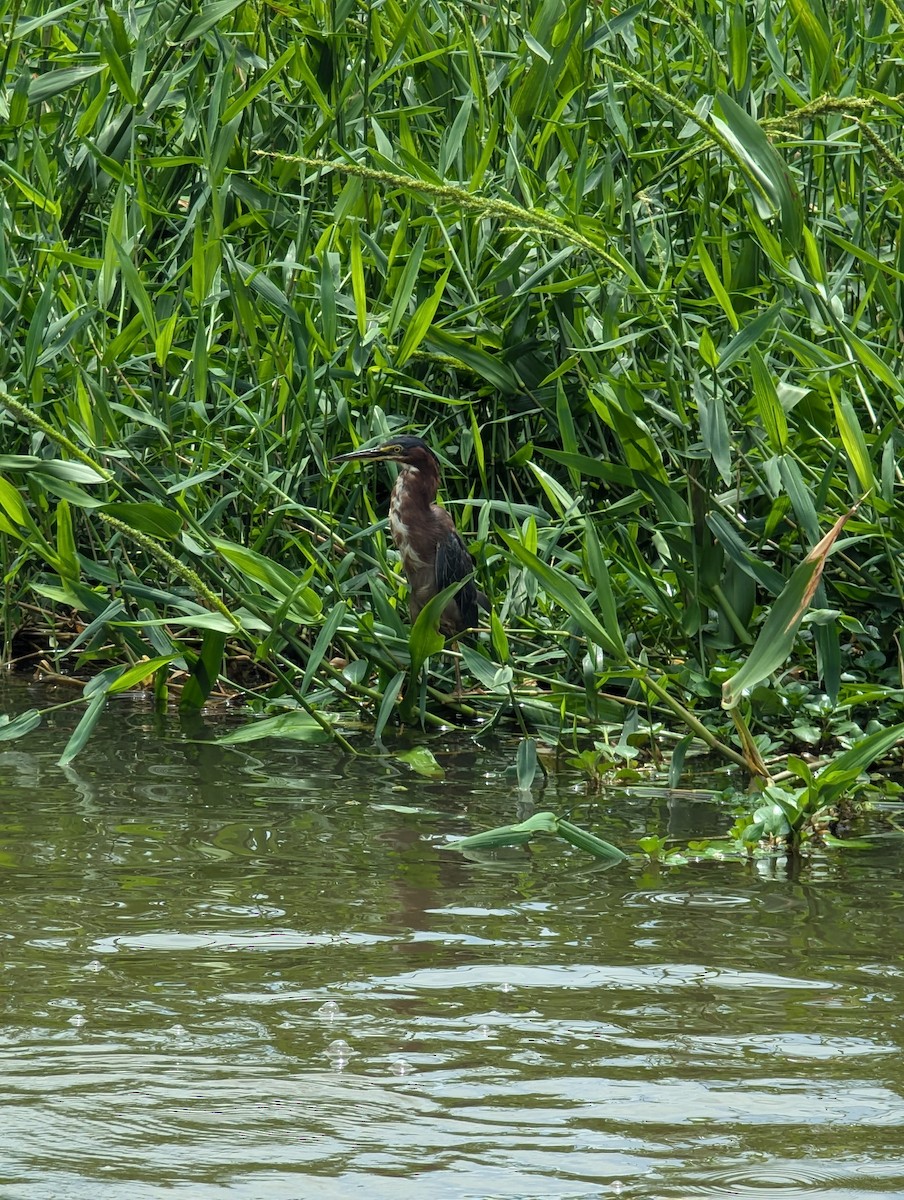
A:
[419,484]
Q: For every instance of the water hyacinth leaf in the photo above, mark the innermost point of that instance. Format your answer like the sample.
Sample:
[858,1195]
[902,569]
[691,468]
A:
[294,726]
[676,760]
[842,771]
[84,729]
[421,760]
[146,517]
[776,638]
[800,767]
[24,723]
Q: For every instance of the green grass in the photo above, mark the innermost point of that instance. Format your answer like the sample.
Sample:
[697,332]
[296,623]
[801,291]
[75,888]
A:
[636,273]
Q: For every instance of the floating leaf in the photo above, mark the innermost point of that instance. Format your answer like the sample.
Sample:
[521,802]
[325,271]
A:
[24,723]
[296,726]
[508,835]
[421,760]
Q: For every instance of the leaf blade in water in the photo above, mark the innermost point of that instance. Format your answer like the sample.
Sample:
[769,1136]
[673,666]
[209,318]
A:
[296,726]
[421,760]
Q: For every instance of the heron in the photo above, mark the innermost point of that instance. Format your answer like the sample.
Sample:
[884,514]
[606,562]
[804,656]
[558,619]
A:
[430,547]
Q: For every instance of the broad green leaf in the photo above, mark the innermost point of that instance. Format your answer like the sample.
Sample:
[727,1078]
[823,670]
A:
[139,673]
[67,556]
[714,429]
[853,441]
[508,835]
[776,638]
[421,760]
[147,517]
[743,557]
[52,83]
[741,343]
[25,27]
[421,321]
[205,670]
[295,726]
[275,579]
[715,282]
[323,642]
[406,284]
[764,166]
[69,472]
[562,590]
[134,285]
[12,504]
[210,15]
[484,670]
[248,94]
[589,842]
[478,360]
[24,723]
[833,780]
[768,404]
[526,763]
[388,703]
[425,638]
[84,729]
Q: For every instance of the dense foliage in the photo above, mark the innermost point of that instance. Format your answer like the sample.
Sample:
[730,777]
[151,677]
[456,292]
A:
[635,272]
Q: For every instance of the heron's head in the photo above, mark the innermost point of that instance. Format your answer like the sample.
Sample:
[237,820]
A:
[413,451]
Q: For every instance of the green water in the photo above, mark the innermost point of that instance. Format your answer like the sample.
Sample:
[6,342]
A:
[258,974]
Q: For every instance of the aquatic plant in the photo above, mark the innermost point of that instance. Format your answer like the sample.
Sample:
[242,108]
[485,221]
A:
[636,275]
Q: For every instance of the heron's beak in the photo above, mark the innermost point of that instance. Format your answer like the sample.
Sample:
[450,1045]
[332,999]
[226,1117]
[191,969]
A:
[374,454]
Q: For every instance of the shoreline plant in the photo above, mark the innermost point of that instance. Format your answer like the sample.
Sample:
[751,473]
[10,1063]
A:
[637,274]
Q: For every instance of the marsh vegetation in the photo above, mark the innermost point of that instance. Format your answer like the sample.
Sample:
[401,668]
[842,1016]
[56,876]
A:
[636,273]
